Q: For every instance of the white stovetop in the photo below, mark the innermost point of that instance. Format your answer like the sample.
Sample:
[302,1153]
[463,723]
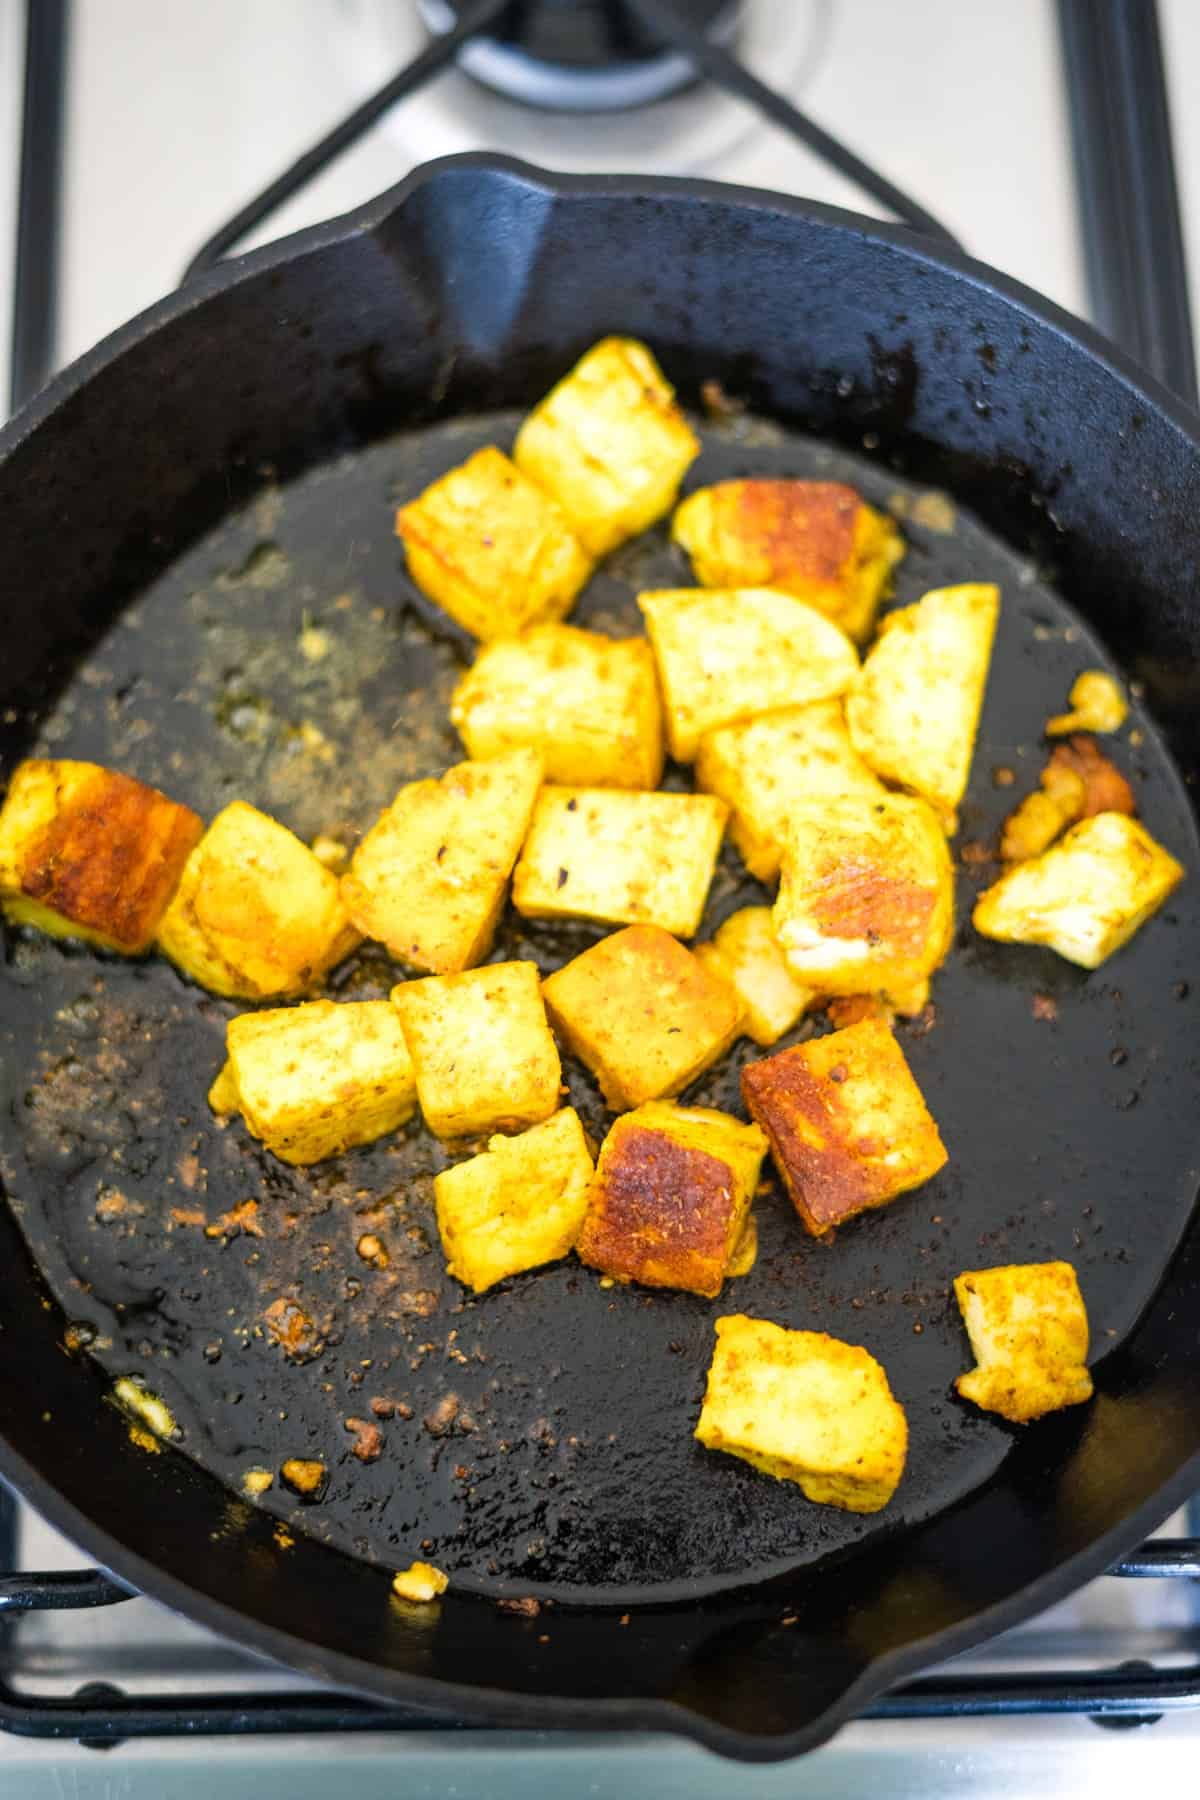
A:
[177,113]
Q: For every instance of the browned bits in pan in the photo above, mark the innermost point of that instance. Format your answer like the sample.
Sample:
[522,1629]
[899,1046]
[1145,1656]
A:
[292,1329]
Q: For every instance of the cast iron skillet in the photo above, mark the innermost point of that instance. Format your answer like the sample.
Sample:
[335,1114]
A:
[177,508]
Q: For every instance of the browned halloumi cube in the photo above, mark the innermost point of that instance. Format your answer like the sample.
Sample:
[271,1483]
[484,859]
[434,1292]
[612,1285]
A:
[429,878]
[312,1080]
[518,1205]
[913,710]
[255,916]
[1086,895]
[1029,1333]
[643,1013]
[805,1407]
[609,443]
[866,901]
[818,540]
[620,858]
[483,1054]
[491,548]
[848,1126]
[766,766]
[87,853]
[726,654]
[744,951]
[589,704]
[671,1194]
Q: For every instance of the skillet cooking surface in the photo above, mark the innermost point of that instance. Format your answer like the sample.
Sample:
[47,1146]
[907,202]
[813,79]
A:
[569,1468]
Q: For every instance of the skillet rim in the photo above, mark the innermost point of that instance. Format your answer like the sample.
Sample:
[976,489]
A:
[489,1706]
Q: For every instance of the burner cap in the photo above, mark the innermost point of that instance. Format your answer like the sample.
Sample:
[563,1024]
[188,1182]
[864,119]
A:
[581,55]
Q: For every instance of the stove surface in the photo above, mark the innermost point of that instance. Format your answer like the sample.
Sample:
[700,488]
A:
[176,115]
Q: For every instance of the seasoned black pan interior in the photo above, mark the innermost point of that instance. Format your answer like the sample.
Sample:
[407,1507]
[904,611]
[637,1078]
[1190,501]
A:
[543,1439]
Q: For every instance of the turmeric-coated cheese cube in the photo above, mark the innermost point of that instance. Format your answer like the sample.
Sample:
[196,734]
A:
[913,710]
[312,1080]
[866,901]
[670,1197]
[420,1583]
[745,952]
[518,1205]
[255,916]
[731,653]
[589,704]
[483,1054]
[609,443]
[491,548]
[429,878]
[848,1126]
[1029,1334]
[765,767]
[87,853]
[643,1013]
[818,540]
[805,1407]
[1086,895]
[620,858]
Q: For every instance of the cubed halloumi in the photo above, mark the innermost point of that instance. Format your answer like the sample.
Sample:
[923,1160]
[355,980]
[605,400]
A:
[745,953]
[670,1197]
[848,1125]
[643,1013]
[87,853]
[620,858]
[429,878]
[766,766]
[818,540]
[312,1080]
[491,548]
[1029,1333]
[609,443]
[589,704]
[866,900]
[726,654]
[1086,895]
[913,710]
[805,1407]
[255,916]
[518,1205]
[483,1055]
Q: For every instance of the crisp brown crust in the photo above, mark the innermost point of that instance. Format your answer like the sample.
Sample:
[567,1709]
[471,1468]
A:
[1105,789]
[661,1213]
[859,899]
[826,1180]
[111,857]
[805,529]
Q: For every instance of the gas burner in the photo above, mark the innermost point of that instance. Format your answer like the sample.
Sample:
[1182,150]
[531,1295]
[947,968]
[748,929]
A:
[582,56]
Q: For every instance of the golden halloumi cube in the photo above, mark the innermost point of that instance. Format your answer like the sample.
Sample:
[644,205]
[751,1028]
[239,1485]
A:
[726,654]
[312,1080]
[643,1013]
[866,899]
[620,858]
[913,709]
[491,548]
[805,1407]
[1086,895]
[818,540]
[670,1197]
[483,1055]
[87,853]
[588,703]
[744,951]
[848,1125]
[255,916]
[766,766]
[518,1205]
[609,443]
[1028,1328]
[429,878]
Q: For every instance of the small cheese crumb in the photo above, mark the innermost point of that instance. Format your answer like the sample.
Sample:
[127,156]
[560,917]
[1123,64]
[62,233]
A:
[257,1481]
[1097,704]
[420,1581]
[133,1397]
